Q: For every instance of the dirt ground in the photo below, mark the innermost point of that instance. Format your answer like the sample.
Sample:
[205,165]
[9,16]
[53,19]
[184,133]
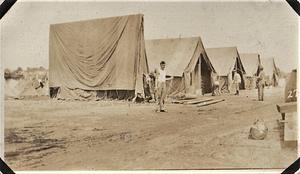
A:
[44,134]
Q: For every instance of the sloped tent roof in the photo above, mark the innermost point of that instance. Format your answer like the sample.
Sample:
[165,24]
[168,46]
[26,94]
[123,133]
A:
[250,62]
[223,59]
[269,66]
[180,54]
[98,54]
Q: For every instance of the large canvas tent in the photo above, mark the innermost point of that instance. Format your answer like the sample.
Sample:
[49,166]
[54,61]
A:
[250,62]
[97,58]
[224,61]
[271,71]
[186,61]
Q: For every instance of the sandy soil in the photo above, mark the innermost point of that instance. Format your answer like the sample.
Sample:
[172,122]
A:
[43,134]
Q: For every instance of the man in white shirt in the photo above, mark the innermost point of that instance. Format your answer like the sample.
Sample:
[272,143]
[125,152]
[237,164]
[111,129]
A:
[215,84]
[236,82]
[160,86]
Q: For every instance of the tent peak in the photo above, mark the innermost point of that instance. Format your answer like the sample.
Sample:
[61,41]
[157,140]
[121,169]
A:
[176,38]
[250,54]
[220,48]
[100,18]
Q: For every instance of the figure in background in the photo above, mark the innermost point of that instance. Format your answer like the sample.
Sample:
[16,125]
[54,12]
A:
[228,83]
[147,87]
[236,82]
[151,82]
[261,83]
[215,84]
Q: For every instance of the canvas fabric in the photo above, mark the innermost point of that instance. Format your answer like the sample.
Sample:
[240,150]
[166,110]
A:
[225,84]
[271,71]
[250,62]
[182,56]
[250,82]
[225,60]
[96,55]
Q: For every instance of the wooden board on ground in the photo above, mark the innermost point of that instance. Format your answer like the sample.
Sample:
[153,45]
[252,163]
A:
[180,101]
[199,101]
[189,97]
[287,107]
[290,127]
[192,101]
[210,102]
[177,102]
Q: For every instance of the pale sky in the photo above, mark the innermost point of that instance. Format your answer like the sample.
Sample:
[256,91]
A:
[268,28]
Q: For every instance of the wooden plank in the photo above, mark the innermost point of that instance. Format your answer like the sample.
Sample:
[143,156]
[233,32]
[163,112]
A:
[187,98]
[210,102]
[290,127]
[182,100]
[194,101]
[177,102]
[287,107]
[199,101]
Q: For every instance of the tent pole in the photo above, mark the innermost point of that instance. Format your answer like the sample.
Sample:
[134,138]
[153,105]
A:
[200,74]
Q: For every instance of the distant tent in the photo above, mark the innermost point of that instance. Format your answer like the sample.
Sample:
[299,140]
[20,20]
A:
[33,84]
[224,61]
[97,58]
[271,70]
[250,62]
[186,61]
[12,89]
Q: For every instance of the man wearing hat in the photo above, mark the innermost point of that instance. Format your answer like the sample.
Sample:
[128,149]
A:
[261,83]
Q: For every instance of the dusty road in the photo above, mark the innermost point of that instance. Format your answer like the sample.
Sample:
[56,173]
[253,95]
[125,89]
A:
[60,135]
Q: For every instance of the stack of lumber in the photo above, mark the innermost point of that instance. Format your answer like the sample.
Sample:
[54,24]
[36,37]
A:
[210,102]
[199,102]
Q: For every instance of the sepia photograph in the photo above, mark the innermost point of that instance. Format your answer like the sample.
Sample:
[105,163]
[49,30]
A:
[149,85]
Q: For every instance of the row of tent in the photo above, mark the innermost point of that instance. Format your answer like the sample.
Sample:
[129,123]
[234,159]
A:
[109,57]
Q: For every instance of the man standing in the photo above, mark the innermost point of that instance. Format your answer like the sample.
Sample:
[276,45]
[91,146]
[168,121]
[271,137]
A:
[236,82]
[215,85]
[160,86]
[151,83]
[261,83]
